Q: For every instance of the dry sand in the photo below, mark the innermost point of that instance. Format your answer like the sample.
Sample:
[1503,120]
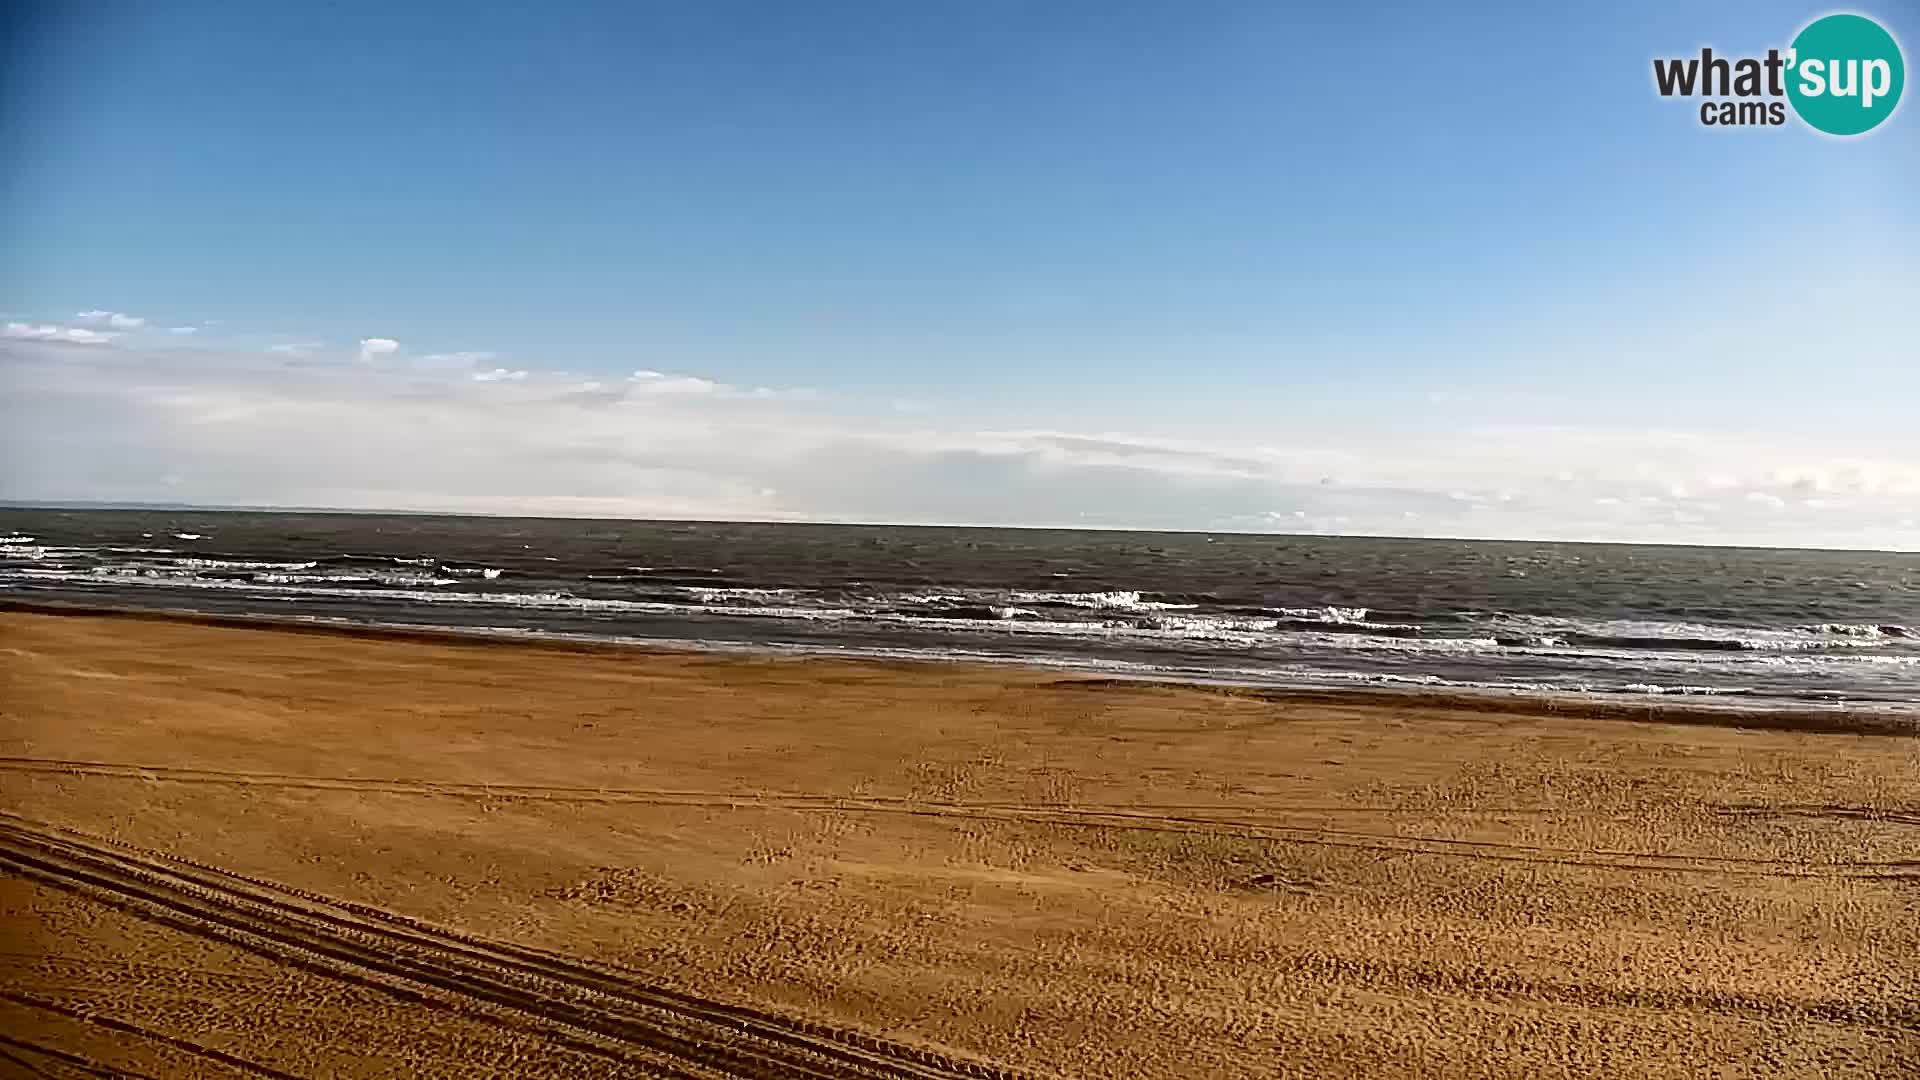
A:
[242,851]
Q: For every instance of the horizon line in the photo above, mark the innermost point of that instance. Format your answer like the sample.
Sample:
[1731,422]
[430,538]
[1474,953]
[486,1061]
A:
[244,508]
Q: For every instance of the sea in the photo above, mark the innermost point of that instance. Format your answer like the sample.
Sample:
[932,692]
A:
[1755,627]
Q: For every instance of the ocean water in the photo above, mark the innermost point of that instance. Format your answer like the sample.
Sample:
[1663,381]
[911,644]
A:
[1747,625]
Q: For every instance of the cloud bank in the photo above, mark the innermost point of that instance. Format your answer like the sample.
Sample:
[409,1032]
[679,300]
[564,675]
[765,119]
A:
[72,335]
[463,432]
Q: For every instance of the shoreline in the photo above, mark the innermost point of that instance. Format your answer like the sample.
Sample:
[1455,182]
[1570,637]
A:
[1879,719]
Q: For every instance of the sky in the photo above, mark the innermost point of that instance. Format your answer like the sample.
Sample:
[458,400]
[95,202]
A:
[1402,268]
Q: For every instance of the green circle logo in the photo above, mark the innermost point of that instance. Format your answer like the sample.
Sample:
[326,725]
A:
[1845,74]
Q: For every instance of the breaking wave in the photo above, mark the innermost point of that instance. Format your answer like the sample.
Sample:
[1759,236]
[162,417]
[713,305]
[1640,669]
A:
[1201,627]
[1116,600]
[239,564]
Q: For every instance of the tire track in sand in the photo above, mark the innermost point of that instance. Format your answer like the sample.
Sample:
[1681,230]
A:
[1271,826]
[22,1052]
[650,1029]
[121,1027]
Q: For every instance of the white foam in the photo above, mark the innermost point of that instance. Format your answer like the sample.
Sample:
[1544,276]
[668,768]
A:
[1656,688]
[16,539]
[1327,614]
[1822,637]
[403,578]
[716,595]
[1875,632]
[185,536]
[239,564]
[38,552]
[1121,599]
[1201,626]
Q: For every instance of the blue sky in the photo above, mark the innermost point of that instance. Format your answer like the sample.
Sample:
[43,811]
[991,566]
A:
[1454,250]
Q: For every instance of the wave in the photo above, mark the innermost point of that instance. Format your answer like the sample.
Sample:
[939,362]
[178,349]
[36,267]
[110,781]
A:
[659,575]
[16,539]
[355,559]
[1132,601]
[203,577]
[186,536]
[1517,631]
[1325,614]
[1529,641]
[349,558]
[1110,614]
[40,552]
[961,612]
[1670,656]
[239,564]
[1661,641]
[1870,631]
[389,586]
[1398,630]
[1122,599]
[393,579]
[1123,610]
[708,595]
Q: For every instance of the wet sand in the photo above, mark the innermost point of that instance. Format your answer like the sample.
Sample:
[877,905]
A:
[424,855]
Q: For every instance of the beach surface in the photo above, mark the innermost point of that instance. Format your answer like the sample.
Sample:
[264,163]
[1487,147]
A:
[241,850]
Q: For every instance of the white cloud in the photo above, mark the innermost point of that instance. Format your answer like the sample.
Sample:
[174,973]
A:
[296,348]
[499,375]
[659,382]
[72,335]
[183,329]
[117,320]
[375,347]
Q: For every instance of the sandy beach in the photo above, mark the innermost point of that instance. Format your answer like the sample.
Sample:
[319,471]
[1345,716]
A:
[236,849]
